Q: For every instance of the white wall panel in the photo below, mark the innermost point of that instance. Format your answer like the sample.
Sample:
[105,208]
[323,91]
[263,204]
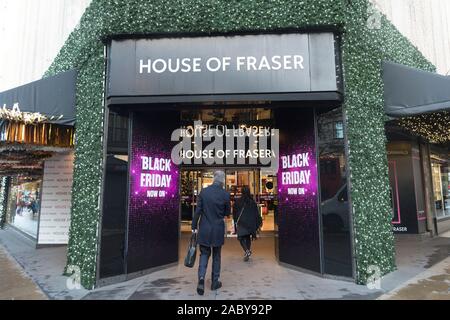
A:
[56,199]
[426,24]
[31,34]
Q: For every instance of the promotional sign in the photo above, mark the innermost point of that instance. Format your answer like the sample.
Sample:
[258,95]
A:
[56,198]
[298,217]
[270,63]
[154,198]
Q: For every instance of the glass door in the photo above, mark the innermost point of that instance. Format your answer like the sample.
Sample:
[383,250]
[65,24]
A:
[236,179]
[262,185]
[192,183]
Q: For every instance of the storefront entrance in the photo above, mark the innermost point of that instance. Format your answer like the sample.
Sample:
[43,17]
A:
[306,226]
[262,185]
[168,154]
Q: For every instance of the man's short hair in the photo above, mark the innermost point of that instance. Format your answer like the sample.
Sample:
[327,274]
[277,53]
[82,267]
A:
[219,176]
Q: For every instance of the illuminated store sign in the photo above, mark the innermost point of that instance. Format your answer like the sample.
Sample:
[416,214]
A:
[154,198]
[298,220]
[153,176]
[222,64]
[244,64]
[297,174]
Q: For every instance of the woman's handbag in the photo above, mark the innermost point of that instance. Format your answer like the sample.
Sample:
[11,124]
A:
[189,261]
[239,218]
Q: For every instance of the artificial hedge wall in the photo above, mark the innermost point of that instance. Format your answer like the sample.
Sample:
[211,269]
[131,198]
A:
[363,49]
[4,188]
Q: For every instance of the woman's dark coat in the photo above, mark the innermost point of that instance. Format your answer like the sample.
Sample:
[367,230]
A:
[250,219]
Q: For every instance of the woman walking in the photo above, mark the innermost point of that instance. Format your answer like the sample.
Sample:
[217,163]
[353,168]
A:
[247,220]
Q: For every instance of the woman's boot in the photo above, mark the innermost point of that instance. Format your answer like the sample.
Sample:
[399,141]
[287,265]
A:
[247,255]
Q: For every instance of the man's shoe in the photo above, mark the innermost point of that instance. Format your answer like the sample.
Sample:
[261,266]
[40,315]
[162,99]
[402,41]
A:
[201,287]
[216,285]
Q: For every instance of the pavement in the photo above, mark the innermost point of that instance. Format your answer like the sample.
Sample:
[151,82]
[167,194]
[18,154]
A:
[44,266]
[261,278]
[431,284]
[423,270]
[14,282]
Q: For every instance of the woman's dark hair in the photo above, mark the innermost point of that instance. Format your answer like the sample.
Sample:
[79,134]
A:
[246,195]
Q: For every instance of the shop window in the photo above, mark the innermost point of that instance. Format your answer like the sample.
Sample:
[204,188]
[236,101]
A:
[335,209]
[338,130]
[24,201]
[441,188]
[117,131]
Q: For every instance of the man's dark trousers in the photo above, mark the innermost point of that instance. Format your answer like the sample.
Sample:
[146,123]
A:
[205,253]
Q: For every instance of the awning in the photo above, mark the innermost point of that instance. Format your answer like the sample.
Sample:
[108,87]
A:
[52,96]
[409,91]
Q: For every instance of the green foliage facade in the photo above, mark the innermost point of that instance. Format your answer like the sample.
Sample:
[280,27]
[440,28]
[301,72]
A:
[366,42]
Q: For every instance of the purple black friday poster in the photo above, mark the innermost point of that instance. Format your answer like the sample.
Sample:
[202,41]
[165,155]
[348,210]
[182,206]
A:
[154,198]
[298,217]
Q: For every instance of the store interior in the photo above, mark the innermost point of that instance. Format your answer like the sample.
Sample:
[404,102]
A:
[262,185]
[24,203]
[261,181]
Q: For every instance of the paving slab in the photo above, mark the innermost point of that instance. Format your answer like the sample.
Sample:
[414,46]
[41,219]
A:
[261,278]
[15,284]
[432,284]
[45,266]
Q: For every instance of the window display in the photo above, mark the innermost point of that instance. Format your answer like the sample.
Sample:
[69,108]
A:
[24,204]
[441,187]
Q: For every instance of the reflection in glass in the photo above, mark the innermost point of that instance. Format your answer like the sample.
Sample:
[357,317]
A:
[335,210]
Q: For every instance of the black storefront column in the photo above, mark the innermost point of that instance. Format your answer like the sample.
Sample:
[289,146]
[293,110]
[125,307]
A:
[139,227]
[298,216]
[112,253]
[335,213]
[153,212]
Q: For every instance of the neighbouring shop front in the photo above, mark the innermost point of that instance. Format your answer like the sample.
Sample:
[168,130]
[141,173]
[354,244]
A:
[418,149]
[36,158]
[311,70]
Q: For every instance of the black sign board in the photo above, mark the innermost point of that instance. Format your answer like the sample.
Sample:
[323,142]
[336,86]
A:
[220,65]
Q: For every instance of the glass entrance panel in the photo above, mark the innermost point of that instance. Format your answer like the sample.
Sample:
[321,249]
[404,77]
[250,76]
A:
[192,183]
[268,200]
[262,185]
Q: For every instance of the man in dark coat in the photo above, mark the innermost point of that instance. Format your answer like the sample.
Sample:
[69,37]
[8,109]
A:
[213,205]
